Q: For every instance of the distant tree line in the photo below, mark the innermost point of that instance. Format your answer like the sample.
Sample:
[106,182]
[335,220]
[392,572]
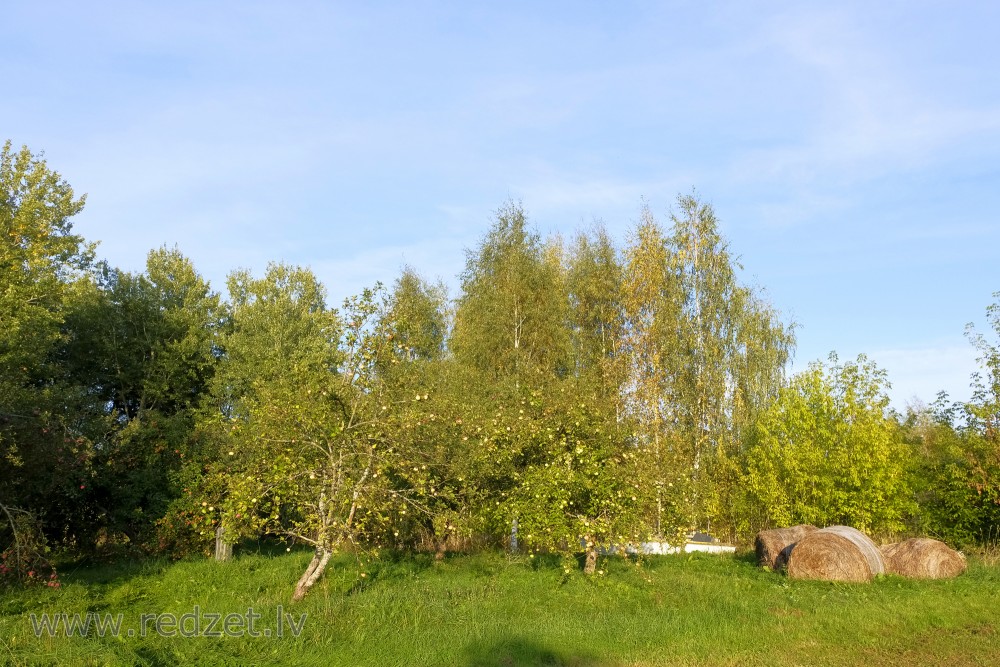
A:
[589,392]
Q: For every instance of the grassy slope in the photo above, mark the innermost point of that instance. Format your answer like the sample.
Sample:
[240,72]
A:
[488,610]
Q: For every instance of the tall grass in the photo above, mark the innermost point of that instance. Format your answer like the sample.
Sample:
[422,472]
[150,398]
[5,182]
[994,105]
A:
[490,609]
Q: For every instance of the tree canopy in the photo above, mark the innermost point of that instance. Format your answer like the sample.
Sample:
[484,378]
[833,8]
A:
[572,397]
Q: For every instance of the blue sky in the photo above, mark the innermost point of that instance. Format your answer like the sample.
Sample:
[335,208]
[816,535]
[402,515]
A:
[850,150]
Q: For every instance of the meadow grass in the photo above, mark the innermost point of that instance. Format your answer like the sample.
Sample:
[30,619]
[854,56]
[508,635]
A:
[492,609]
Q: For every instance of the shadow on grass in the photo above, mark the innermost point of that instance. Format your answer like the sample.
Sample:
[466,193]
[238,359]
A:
[265,547]
[548,562]
[90,573]
[746,557]
[115,567]
[518,652]
[391,566]
[152,657]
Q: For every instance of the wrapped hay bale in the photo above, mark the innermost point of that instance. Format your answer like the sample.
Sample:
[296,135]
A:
[773,545]
[923,558]
[837,553]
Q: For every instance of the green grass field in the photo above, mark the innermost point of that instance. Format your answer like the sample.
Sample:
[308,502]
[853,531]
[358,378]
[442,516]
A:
[489,609]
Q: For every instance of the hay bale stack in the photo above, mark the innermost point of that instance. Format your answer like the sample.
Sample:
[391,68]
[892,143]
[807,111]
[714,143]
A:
[923,558]
[837,553]
[773,545]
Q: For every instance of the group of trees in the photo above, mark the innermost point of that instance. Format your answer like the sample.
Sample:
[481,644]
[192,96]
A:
[576,394]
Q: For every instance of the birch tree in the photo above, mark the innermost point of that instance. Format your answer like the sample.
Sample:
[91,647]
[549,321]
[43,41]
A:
[704,353]
[652,310]
[510,317]
[731,356]
[594,277]
[418,318]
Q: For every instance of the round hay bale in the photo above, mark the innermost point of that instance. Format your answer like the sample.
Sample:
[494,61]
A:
[923,558]
[837,553]
[771,545]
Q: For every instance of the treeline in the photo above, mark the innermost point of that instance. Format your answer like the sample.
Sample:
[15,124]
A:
[590,393]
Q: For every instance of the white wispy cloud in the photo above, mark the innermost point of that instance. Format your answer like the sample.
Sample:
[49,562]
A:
[871,117]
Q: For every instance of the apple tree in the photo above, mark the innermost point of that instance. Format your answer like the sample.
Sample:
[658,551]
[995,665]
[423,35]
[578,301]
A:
[302,415]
